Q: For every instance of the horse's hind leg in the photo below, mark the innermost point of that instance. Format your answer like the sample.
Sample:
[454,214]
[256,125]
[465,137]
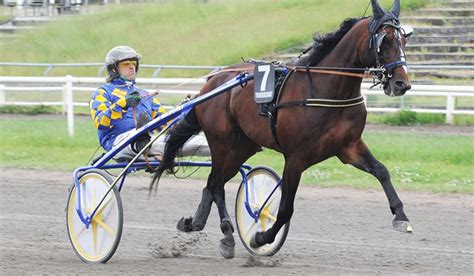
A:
[199,220]
[358,155]
[225,166]
[226,162]
[216,184]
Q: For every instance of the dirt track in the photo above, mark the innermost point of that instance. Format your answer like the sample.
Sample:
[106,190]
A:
[332,231]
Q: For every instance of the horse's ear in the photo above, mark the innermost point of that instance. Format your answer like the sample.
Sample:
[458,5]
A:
[376,9]
[396,8]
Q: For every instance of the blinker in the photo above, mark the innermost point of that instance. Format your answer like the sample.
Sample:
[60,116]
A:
[379,39]
[407,30]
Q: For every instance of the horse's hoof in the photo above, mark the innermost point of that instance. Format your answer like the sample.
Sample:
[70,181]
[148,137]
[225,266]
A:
[226,251]
[185,224]
[402,226]
[253,241]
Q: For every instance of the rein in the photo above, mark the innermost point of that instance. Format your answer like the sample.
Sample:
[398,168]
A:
[336,71]
[331,103]
[368,73]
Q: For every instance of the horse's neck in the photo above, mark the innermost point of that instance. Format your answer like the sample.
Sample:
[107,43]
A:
[344,55]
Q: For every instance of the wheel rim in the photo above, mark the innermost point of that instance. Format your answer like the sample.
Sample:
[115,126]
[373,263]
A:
[260,184]
[97,242]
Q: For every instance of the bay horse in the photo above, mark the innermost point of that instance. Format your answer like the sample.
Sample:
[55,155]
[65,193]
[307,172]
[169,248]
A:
[304,134]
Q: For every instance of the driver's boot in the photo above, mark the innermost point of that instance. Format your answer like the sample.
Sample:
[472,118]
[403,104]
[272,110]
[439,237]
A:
[141,141]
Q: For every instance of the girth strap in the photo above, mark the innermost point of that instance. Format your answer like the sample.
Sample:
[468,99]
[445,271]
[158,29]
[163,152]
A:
[324,103]
[272,115]
[272,108]
[312,88]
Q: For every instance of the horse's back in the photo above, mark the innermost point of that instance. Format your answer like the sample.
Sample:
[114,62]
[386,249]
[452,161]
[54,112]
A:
[214,115]
[234,111]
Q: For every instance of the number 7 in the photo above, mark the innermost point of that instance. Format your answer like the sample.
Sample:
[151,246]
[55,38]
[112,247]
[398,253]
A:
[266,70]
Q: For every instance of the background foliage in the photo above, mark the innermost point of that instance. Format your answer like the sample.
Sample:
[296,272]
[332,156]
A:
[182,32]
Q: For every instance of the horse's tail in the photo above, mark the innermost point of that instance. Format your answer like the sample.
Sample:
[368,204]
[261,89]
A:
[176,137]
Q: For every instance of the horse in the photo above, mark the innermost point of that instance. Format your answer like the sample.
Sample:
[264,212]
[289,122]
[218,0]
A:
[305,134]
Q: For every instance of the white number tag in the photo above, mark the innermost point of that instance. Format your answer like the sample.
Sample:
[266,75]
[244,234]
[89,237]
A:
[264,87]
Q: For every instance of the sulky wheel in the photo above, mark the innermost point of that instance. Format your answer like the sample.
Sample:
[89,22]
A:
[98,242]
[261,181]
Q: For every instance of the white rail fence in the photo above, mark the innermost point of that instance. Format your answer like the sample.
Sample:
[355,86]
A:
[68,84]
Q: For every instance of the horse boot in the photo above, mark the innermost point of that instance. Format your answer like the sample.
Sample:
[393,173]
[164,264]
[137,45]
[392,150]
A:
[142,140]
[227,244]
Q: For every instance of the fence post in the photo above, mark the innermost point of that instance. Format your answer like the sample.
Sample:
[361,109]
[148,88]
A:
[64,107]
[2,94]
[450,105]
[70,109]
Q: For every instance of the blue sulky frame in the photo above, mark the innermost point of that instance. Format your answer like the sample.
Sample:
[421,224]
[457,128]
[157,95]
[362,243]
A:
[173,116]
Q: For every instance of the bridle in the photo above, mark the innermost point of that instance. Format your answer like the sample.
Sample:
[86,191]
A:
[375,42]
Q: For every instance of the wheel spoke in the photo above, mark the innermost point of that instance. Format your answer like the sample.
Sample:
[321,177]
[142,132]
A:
[261,199]
[81,230]
[254,193]
[103,205]
[253,206]
[94,236]
[272,198]
[250,228]
[100,222]
[266,213]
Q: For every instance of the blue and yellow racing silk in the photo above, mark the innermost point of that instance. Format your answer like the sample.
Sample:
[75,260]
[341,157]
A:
[110,114]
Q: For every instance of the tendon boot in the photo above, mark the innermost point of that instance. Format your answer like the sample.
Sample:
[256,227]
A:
[142,140]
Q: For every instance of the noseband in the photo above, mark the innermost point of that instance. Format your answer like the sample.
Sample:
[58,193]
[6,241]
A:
[375,43]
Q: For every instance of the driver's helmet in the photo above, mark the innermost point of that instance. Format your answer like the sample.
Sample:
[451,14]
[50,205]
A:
[117,54]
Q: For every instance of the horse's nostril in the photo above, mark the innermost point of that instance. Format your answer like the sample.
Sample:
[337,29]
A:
[400,84]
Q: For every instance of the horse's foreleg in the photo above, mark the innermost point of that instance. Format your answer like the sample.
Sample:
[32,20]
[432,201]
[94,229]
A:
[289,186]
[199,220]
[360,157]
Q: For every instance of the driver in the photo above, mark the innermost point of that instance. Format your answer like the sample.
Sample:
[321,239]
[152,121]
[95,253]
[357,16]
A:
[119,106]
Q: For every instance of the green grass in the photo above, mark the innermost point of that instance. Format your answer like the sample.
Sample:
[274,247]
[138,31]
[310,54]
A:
[182,32]
[32,110]
[422,162]
[437,163]
[4,18]
[419,119]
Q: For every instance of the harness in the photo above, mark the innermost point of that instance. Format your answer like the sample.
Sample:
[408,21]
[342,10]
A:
[382,72]
[270,109]
[283,73]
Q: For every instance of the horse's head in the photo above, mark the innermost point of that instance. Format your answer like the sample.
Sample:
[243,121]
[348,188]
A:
[386,44]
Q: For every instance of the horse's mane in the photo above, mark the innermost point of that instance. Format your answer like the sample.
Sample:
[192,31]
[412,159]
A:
[323,45]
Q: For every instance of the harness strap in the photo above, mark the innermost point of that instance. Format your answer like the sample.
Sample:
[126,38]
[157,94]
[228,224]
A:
[333,71]
[367,52]
[324,103]
[312,88]
[272,114]
[273,108]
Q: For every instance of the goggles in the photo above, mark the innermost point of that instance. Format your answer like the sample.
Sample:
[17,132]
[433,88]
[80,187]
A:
[127,63]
